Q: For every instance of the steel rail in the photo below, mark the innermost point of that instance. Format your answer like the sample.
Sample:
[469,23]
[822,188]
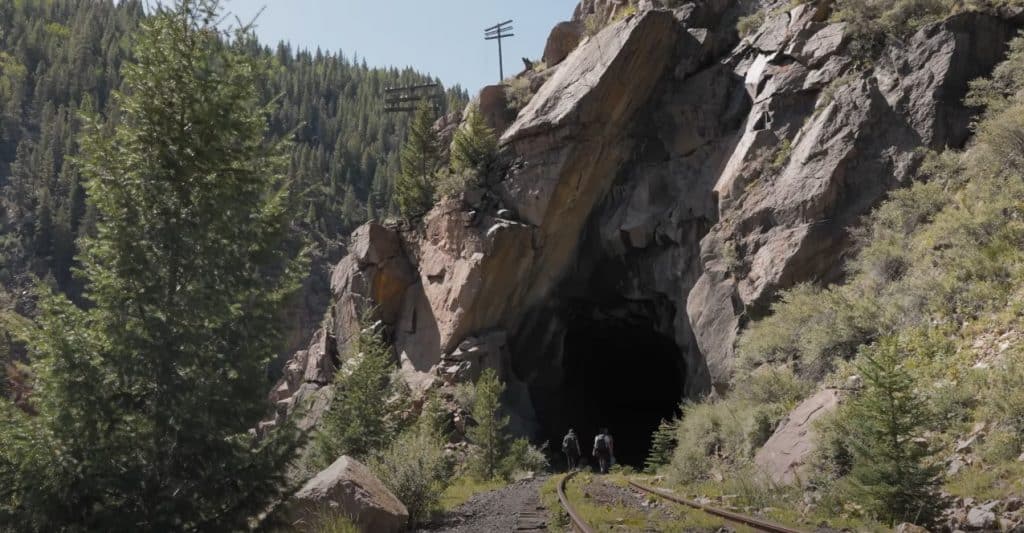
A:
[756,523]
[576,520]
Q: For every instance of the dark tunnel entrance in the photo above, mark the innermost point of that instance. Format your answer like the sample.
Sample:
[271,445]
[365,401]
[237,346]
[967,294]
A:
[617,373]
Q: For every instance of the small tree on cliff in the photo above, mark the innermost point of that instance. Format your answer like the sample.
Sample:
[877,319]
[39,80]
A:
[145,399]
[474,145]
[420,157]
[489,432]
[364,414]
[882,423]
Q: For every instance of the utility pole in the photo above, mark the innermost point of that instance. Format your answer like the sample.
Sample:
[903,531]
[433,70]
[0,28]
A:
[407,98]
[498,32]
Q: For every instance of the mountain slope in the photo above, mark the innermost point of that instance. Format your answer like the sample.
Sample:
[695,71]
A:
[62,58]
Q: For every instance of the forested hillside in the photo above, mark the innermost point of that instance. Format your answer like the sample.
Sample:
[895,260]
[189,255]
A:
[60,59]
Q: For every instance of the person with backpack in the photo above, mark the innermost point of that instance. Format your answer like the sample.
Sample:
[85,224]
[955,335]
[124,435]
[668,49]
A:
[604,450]
[571,447]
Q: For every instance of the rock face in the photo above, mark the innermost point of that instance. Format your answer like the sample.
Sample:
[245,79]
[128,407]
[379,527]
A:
[808,162]
[349,488]
[493,105]
[793,441]
[564,38]
[665,182]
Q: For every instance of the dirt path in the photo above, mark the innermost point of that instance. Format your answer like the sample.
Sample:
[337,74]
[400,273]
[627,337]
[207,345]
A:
[513,508]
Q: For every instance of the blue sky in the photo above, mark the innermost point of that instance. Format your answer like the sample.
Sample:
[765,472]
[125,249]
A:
[440,37]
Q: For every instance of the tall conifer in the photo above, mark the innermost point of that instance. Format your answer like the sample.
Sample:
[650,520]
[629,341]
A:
[885,424]
[414,187]
[145,399]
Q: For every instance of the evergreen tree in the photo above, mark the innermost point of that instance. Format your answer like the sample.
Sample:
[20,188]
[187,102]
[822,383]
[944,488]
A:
[145,400]
[435,419]
[663,444]
[489,434]
[414,188]
[474,145]
[888,465]
[361,418]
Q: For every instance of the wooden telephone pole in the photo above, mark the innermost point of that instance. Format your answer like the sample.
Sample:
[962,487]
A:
[498,32]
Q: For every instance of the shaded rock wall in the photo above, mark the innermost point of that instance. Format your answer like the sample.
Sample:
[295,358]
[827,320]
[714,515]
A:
[666,176]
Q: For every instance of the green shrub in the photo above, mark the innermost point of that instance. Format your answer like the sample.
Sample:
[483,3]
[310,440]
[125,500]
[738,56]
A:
[831,458]
[995,92]
[871,22]
[1001,445]
[749,24]
[333,522]
[724,436]
[1003,399]
[522,457]
[627,11]
[450,183]
[710,435]
[518,93]
[809,327]
[465,395]
[751,487]
[764,419]
[954,402]
[474,146]
[414,467]
[782,154]
[768,385]
[364,415]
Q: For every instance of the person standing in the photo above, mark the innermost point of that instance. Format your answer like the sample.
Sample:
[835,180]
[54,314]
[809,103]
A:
[571,447]
[604,450]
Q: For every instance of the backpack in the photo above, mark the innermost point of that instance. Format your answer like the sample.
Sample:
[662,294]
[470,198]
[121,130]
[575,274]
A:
[569,443]
[601,443]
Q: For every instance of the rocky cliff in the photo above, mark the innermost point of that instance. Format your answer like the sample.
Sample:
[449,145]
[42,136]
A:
[664,182]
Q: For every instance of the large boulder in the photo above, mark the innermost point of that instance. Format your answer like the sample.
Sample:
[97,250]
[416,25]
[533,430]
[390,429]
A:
[347,487]
[493,106]
[375,273]
[564,38]
[787,450]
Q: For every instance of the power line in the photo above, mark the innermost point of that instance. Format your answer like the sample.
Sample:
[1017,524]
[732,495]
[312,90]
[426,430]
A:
[407,98]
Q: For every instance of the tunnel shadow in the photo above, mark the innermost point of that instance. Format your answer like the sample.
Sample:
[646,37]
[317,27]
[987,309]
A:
[617,373]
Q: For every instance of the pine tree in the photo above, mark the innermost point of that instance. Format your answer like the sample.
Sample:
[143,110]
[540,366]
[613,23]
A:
[474,145]
[414,188]
[883,423]
[145,399]
[435,418]
[361,418]
[663,444]
[489,434]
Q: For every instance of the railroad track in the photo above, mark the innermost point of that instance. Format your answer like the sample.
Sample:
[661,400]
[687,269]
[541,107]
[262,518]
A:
[756,523]
[581,525]
[577,522]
